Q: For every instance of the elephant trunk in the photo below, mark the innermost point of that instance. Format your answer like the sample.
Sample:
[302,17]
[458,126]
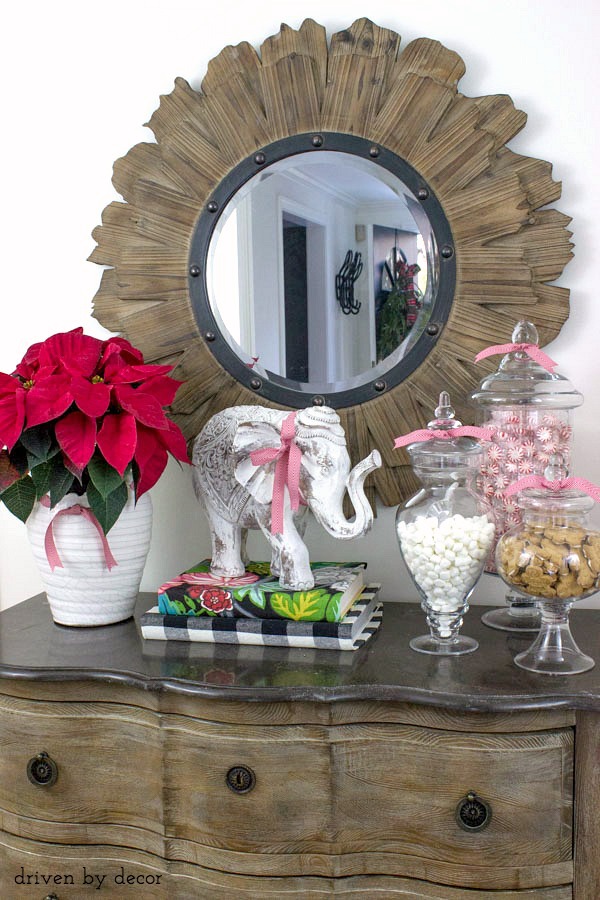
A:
[332,518]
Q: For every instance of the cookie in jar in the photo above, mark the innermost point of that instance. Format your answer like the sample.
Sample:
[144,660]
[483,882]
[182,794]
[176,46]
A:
[552,556]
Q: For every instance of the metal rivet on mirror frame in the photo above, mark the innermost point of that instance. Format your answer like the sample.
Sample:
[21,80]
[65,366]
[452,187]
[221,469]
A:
[195,271]
[256,384]
[379,386]
[209,336]
[432,329]
[447,251]
[260,159]
[423,194]
[317,140]
[374,152]
[213,206]
[318,401]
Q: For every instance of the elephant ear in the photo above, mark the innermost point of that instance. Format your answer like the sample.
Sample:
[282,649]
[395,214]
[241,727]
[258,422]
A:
[258,480]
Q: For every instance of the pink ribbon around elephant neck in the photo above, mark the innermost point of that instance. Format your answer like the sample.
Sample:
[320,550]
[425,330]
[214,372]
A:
[76,510]
[430,434]
[561,484]
[532,350]
[287,457]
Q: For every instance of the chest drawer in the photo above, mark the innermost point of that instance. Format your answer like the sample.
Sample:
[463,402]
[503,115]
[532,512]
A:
[107,759]
[30,871]
[388,791]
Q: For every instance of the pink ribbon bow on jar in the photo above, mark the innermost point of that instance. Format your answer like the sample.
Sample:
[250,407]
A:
[288,458]
[532,350]
[52,554]
[561,484]
[430,434]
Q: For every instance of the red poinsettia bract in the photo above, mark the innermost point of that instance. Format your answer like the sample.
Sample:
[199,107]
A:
[86,398]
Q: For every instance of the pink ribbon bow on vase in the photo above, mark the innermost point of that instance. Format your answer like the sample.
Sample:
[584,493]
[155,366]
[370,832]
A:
[532,350]
[561,484]
[430,434]
[288,458]
[52,554]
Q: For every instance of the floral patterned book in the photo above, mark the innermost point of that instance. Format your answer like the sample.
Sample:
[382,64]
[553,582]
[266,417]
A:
[359,624]
[258,594]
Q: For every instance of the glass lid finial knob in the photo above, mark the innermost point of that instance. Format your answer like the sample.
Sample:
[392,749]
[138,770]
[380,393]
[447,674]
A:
[556,470]
[444,414]
[525,332]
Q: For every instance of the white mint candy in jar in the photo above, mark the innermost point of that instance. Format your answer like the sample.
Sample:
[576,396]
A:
[445,531]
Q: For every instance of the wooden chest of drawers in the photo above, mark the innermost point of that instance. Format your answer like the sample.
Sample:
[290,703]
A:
[132,768]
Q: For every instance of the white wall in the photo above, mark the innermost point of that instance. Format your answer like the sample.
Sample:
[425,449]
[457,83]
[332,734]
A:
[78,80]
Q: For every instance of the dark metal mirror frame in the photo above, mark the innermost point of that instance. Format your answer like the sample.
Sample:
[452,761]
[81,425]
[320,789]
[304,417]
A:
[274,388]
[510,245]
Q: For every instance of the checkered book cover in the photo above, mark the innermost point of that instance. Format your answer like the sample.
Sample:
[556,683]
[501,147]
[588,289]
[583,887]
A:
[360,623]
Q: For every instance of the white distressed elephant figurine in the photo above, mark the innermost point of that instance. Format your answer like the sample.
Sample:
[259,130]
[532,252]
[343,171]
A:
[265,468]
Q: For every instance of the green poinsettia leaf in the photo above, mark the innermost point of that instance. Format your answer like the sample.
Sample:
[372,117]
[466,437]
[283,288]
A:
[61,482]
[51,477]
[104,478]
[8,472]
[37,441]
[20,497]
[41,475]
[18,457]
[107,509]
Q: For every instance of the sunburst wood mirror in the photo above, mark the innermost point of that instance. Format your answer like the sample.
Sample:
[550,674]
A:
[301,154]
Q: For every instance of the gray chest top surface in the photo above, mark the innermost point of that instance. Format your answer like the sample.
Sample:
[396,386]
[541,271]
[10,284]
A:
[32,647]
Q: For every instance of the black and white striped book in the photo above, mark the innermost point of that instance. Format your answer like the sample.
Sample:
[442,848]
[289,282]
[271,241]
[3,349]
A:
[359,624]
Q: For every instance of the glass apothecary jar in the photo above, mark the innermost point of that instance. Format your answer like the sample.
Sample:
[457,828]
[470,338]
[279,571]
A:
[445,531]
[553,557]
[528,409]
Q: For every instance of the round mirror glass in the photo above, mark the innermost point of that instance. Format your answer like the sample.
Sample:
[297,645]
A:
[322,270]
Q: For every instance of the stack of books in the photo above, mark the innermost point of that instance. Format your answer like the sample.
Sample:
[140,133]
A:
[340,613]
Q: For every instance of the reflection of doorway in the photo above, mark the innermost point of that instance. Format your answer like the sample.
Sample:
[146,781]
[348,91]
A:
[305,291]
[295,287]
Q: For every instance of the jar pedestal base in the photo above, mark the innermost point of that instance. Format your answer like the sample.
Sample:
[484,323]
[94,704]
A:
[554,651]
[427,643]
[506,619]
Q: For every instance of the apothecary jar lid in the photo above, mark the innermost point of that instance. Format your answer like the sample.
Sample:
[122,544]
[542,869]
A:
[557,494]
[521,379]
[452,449]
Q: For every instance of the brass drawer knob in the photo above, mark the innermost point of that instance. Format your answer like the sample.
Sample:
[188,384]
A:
[240,779]
[42,770]
[473,813]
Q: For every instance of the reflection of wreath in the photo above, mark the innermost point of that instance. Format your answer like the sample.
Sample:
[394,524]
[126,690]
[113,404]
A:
[399,307]
[508,244]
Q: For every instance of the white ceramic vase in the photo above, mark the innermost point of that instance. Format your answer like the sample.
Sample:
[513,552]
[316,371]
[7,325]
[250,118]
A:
[85,591]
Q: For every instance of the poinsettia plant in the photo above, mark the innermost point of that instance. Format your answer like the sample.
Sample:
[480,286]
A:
[85,415]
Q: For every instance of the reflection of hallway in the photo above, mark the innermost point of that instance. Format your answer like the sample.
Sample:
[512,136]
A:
[296,301]
[296,221]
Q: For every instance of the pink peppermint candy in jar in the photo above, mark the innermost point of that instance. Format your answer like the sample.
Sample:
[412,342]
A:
[527,406]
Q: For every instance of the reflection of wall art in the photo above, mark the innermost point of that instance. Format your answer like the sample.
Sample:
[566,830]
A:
[498,245]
